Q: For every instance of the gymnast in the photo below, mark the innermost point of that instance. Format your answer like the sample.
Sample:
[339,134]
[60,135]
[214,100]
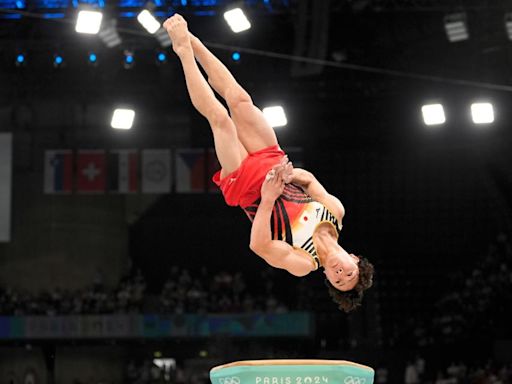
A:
[295,221]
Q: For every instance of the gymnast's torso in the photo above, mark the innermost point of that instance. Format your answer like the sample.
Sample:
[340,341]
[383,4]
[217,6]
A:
[295,217]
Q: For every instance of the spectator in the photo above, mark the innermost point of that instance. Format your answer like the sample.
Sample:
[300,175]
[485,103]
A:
[411,374]
[381,375]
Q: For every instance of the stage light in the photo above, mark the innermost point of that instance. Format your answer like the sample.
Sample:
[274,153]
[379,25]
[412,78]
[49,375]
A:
[109,35]
[275,116]
[508,25]
[237,20]
[88,22]
[163,38]
[482,113]
[92,59]
[20,60]
[54,15]
[148,21]
[58,61]
[129,59]
[433,114]
[456,28]
[161,58]
[235,56]
[122,118]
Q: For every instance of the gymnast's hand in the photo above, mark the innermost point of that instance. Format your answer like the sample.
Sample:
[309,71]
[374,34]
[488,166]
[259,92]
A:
[287,170]
[285,167]
[273,185]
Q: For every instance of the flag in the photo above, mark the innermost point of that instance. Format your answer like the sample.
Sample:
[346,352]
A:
[123,169]
[156,171]
[90,168]
[190,170]
[58,171]
[212,166]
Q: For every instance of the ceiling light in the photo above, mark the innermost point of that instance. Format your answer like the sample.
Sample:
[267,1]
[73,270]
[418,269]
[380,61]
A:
[88,22]
[433,114]
[237,20]
[148,21]
[275,116]
[482,113]
[122,118]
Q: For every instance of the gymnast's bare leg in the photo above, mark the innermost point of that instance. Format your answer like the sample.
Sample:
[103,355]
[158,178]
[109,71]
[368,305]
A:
[228,148]
[252,128]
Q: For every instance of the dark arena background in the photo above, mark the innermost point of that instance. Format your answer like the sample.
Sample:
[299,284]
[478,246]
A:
[120,261]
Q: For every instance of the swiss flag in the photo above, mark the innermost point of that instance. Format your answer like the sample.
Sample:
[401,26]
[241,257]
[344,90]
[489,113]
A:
[90,171]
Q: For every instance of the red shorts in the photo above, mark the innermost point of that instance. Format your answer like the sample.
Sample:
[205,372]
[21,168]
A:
[243,186]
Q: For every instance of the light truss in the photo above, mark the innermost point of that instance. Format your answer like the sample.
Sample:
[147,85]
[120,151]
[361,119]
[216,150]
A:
[428,5]
[130,8]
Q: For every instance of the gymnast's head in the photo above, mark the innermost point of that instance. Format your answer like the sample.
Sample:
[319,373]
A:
[347,277]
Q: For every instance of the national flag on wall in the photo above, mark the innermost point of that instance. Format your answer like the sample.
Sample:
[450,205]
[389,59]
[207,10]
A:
[58,171]
[90,168]
[190,170]
[212,166]
[123,167]
[156,171]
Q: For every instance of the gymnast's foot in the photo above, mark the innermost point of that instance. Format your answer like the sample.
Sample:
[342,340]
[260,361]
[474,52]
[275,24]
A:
[176,26]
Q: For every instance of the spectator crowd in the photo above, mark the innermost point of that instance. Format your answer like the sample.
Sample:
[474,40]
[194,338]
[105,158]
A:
[182,292]
[473,307]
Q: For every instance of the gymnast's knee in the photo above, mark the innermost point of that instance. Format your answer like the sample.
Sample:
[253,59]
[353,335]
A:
[219,119]
[237,97]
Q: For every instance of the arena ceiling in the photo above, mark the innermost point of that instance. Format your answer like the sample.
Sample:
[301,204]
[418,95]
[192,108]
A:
[388,34]
[325,52]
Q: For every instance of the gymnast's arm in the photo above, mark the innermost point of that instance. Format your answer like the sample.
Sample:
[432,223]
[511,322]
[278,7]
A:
[277,253]
[316,190]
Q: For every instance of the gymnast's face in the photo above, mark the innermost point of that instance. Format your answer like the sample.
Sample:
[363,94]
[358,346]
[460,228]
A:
[342,270]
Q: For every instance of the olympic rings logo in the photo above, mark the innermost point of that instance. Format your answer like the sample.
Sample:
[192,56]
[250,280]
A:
[229,380]
[354,380]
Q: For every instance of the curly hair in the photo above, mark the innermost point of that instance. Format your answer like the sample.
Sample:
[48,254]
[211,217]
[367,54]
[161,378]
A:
[349,300]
